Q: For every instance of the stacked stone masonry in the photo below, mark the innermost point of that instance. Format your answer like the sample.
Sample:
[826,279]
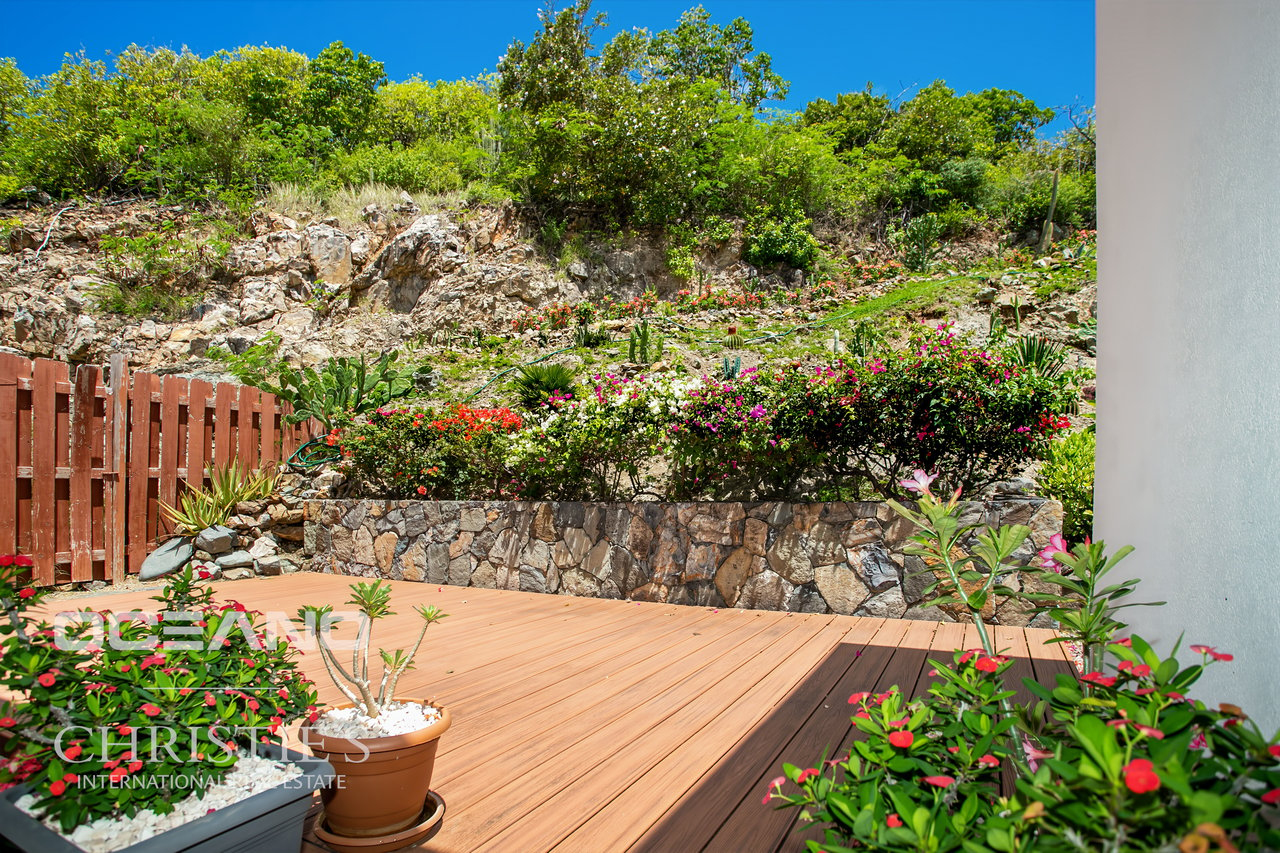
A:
[811,558]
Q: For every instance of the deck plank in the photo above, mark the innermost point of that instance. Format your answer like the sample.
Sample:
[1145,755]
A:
[599,726]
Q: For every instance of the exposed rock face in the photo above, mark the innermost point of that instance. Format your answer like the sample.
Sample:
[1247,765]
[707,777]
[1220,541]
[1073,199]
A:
[324,290]
[813,558]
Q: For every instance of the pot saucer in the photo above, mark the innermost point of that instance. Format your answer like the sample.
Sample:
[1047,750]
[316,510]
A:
[428,822]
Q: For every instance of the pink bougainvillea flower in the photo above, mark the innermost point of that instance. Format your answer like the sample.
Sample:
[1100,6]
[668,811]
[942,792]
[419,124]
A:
[806,775]
[26,593]
[135,766]
[953,749]
[897,724]
[858,697]
[46,679]
[1144,691]
[150,710]
[150,660]
[989,760]
[1149,731]
[940,781]
[7,722]
[1271,797]
[1274,749]
[919,482]
[902,740]
[986,664]
[72,752]
[209,699]
[118,774]
[1140,776]
[58,788]
[893,821]
[124,729]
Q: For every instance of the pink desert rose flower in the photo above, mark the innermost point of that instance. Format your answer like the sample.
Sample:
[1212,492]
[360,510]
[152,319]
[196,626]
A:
[1057,545]
[919,482]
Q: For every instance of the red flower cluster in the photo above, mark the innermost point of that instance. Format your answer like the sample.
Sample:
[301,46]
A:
[1140,776]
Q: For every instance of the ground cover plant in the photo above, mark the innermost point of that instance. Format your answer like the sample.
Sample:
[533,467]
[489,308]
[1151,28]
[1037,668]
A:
[1121,758]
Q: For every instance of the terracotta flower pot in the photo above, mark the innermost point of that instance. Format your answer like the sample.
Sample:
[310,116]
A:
[382,782]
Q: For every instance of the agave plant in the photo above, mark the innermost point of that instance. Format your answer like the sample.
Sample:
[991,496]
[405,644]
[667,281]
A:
[1042,357]
[229,484]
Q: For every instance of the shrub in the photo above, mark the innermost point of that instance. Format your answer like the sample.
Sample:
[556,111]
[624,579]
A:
[131,696]
[596,446]
[342,385]
[859,428]
[1067,476]
[779,239]
[917,241]
[405,453]
[1119,761]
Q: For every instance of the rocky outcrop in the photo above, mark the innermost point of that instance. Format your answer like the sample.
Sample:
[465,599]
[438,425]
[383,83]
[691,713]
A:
[815,558]
[324,289]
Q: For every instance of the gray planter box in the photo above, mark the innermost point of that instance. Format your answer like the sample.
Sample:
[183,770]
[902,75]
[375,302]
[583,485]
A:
[269,821]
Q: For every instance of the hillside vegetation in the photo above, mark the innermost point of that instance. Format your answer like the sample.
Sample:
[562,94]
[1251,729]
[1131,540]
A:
[669,131]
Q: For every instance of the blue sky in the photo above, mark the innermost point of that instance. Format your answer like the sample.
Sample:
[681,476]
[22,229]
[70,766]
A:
[1042,48]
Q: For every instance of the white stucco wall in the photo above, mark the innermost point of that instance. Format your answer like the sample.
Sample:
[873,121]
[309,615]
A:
[1189,327]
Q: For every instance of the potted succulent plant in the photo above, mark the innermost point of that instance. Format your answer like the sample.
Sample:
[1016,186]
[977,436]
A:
[382,746]
[120,727]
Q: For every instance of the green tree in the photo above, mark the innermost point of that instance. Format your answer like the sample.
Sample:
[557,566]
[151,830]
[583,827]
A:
[700,50]
[341,91]
[557,66]
[856,119]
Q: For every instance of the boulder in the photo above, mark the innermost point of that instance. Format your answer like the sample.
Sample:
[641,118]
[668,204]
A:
[216,540]
[166,559]
[234,560]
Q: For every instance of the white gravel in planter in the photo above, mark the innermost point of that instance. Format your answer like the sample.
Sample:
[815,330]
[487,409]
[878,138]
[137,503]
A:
[251,775]
[399,718]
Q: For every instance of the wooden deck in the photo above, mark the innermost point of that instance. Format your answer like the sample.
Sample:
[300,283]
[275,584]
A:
[596,726]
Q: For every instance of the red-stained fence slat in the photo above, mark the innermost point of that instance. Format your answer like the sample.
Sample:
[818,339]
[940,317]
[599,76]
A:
[44,468]
[12,368]
[81,458]
[117,461]
[196,420]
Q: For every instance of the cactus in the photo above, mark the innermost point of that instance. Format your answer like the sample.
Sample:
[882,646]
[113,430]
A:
[734,339]
[729,370]
[644,347]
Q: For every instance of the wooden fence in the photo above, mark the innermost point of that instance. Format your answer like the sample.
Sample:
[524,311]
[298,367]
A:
[84,465]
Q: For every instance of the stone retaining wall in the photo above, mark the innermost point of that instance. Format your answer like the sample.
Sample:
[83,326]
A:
[812,558]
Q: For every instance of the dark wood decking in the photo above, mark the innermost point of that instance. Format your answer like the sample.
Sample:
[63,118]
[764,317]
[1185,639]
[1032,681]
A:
[595,726]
